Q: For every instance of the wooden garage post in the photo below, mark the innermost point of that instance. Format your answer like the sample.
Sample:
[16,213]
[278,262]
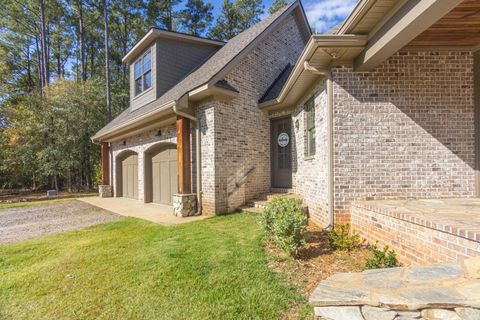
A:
[183,154]
[105,164]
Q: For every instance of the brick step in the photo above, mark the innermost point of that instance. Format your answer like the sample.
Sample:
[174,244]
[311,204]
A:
[270,196]
[281,190]
[250,209]
[262,201]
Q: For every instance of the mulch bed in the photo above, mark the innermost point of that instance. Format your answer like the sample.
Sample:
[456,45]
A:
[315,262]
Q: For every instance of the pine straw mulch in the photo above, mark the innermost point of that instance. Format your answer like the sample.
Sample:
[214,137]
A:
[315,262]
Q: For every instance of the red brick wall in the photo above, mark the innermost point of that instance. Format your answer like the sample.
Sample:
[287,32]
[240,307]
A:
[405,130]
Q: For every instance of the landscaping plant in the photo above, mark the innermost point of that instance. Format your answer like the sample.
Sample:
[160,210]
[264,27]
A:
[384,258]
[339,238]
[285,222]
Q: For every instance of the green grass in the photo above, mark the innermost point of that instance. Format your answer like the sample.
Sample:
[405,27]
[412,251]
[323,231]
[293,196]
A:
[7,205]
[133,269]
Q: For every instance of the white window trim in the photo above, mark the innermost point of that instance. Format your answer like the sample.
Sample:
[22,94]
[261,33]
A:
[141,93]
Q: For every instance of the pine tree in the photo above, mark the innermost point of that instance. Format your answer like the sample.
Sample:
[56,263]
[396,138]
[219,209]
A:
[161,14]
[196,18]
[277,5]
[236,17]
[249,12]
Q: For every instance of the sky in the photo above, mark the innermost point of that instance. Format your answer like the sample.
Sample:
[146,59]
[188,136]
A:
[321,14]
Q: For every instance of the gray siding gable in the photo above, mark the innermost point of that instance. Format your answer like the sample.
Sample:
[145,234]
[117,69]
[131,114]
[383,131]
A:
[176,59]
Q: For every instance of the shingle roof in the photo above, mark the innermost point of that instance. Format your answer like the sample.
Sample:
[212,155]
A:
[274,90]
[202,74]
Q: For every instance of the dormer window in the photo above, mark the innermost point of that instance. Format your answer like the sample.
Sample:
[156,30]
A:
[143,73]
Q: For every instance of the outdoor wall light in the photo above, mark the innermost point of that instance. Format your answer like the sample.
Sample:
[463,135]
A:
[159,133]
[124,142]
[297,124]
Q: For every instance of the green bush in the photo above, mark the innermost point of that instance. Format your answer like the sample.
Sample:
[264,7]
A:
[285,222]
[339,238]
[384,258]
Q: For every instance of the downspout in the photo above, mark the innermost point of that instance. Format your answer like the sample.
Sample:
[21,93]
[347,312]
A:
[330,183]
[331,199]
[198,154]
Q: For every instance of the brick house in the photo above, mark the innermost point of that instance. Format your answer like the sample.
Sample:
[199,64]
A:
[384,108]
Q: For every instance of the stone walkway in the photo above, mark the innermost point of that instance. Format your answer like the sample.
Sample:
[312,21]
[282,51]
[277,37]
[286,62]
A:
[444,291]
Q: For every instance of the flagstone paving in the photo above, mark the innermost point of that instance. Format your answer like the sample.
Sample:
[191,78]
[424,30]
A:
[444,291]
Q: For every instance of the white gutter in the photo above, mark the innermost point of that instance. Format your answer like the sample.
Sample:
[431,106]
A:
[198,155]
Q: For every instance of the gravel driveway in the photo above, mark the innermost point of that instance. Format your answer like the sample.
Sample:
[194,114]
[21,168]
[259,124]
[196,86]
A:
[22,223]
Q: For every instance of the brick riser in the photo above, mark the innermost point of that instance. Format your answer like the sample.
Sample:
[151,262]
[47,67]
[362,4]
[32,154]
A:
[261,202]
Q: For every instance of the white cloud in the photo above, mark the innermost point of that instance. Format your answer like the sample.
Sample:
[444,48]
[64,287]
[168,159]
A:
[326,14]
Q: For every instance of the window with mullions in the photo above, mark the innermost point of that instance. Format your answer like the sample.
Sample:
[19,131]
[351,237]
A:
[142,71]
[310,127]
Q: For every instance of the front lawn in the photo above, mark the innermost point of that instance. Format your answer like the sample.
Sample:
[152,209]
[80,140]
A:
[133,269]
[21,204]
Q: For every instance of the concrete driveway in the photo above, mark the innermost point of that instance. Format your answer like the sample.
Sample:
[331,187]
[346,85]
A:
[153,212]
[17,224]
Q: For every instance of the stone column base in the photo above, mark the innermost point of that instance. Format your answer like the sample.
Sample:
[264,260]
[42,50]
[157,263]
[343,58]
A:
[105,191]
[185,205]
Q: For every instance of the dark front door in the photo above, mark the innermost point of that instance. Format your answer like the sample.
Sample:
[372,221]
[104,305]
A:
[281,144]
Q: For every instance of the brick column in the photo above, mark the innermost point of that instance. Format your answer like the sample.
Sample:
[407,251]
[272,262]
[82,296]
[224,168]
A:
[105,164]
[183,154]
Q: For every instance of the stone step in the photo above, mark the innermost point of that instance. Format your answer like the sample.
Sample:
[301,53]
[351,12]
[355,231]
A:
[440,291]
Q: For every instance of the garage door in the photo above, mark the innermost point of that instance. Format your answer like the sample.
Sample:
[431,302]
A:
[164,175]
[130,177]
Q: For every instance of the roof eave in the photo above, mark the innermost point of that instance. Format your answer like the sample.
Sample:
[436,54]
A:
[316,42]
[355,16]
[208,90]
[162,111]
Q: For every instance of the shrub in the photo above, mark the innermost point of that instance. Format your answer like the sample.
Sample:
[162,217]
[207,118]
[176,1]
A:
[285,221]
[384,258]
[339,238]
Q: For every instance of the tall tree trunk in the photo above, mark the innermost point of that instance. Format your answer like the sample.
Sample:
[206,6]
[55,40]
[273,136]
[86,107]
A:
[93,49]
[29,69]
[170,15]
[40,65]
[59,60]
[107,62]
[43,42]
[124,47]
[81,33]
